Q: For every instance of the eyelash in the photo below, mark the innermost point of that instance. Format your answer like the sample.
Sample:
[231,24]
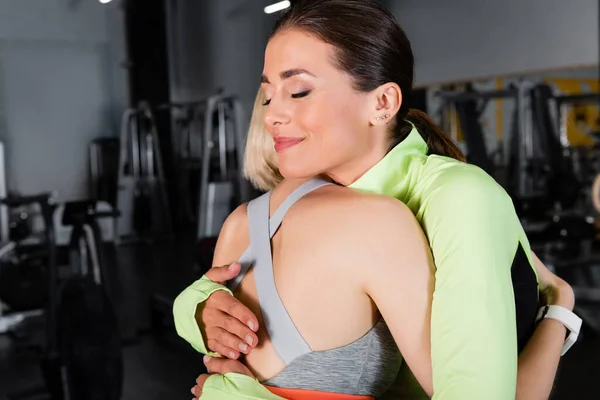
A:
[294,96]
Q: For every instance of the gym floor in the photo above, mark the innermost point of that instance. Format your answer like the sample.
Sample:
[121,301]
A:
[161,366]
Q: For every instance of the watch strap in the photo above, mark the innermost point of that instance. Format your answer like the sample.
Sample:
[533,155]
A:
[566,317]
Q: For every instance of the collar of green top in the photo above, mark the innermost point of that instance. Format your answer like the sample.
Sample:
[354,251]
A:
[384,177]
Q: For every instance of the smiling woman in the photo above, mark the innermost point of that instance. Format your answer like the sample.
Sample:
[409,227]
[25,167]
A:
[300,85]
[348,265]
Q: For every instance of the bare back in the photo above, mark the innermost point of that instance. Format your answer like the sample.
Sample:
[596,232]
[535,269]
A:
[320,255]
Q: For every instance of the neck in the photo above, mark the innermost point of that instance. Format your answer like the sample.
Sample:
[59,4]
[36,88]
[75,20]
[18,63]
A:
[350,172]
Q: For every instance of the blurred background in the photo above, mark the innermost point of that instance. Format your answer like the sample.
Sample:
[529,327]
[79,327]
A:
[122,126]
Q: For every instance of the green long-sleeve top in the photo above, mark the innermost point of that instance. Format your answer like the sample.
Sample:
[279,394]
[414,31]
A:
[475,235]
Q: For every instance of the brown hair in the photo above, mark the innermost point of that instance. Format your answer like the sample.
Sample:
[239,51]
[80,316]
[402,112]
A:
[373,49]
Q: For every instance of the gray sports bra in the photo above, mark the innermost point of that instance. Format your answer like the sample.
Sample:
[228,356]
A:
[367,367]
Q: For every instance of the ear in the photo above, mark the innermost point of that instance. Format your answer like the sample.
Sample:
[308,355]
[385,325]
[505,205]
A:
[387,100]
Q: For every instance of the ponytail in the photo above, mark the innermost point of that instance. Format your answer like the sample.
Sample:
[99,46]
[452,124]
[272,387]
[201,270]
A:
[437,141]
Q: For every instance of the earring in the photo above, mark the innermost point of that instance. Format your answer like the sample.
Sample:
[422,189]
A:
[387,115]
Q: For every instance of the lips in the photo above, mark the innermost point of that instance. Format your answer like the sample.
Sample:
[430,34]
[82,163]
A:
[283,143]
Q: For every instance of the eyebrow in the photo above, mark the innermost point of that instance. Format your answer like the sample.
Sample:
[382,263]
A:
[287,74]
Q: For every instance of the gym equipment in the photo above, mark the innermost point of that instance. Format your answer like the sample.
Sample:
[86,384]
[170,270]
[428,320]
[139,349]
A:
[39,278]
[4,223]
[585,162]
[568,239]
[104,169]
[468,106]
[563,187]
[23,277]
[82,356]
[142,194]
[21,299]
[88,332]
[188,119]
[222,187]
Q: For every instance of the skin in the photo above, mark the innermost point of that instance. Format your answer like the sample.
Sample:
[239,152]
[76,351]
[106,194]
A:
[343,141]
[342,137]
[322,248]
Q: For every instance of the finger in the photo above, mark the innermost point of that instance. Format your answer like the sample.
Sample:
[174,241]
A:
[224,273]
[234,327]
[196,391]
[223,366]
[232,342]
[232,306]
[200,381]
[222,350]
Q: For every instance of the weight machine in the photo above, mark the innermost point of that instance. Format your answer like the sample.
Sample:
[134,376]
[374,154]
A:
[188,123]
[82,354]
[141,186]
[464,109]
[569,238]
[221,185]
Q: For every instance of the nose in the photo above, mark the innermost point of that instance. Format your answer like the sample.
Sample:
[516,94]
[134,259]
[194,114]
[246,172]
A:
[276,114]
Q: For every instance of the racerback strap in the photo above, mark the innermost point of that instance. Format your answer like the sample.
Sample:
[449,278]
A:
[284,335]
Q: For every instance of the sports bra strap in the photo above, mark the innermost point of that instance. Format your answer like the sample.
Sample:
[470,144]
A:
[246,259]
[286,339]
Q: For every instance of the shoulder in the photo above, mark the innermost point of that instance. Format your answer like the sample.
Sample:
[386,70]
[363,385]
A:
[348,218]
[456,183]
[366,230]
[464,200]
[335,202]
[234,232]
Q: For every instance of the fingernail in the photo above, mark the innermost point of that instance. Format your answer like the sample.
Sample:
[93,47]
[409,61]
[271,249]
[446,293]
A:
[231,354]
[206,359]
[242,346]
[249,340]
[192,390]
[232,266]
[251,325]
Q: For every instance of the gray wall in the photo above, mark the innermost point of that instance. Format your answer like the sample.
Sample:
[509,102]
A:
[60,86]
[221,43]
[463,39]
[217,44]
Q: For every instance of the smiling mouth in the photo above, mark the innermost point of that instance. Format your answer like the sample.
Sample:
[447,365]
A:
[282,144]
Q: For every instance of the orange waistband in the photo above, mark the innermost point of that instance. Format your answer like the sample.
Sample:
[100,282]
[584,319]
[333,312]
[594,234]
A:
[299,394]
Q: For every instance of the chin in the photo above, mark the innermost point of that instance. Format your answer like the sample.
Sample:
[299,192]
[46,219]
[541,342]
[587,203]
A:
[290,169]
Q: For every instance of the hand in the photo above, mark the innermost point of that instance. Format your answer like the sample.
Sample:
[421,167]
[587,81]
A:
[220,366]
[227,324]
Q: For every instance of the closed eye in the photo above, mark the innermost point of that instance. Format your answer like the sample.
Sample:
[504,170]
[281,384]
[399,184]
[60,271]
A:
[301,94]
[294,96]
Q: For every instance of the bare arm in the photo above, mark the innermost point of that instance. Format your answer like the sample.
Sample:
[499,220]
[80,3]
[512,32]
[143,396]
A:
[400,282]
[538,362]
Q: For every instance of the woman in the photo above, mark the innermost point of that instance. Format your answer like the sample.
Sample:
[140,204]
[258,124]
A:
[336,74]
[325,332]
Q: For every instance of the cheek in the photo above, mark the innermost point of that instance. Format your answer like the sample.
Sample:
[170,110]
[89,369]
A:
[329,121]
[332,133]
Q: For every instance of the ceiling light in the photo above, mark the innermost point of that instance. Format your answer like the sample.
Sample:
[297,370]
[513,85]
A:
[273,8]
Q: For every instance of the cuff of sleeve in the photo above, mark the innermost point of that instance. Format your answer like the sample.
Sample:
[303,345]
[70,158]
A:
[184,311]
[234,386]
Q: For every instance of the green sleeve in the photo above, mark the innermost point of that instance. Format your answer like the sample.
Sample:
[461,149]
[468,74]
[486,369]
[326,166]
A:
[184,311]
[234,386]
[474,234]
[217,387]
